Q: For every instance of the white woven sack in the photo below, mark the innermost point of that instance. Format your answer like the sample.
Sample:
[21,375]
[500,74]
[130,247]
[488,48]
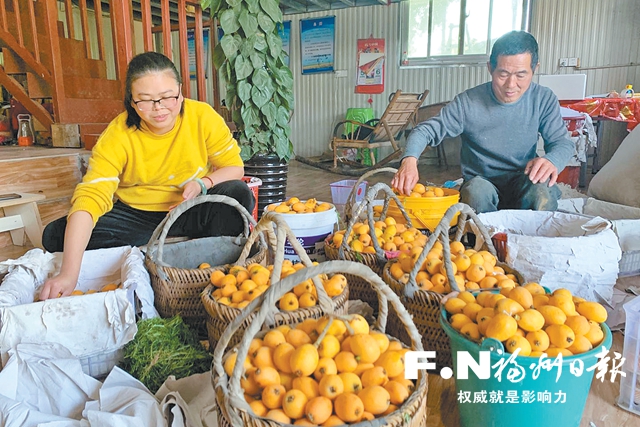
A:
[560,250]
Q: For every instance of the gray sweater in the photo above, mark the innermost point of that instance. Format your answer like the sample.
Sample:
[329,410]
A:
[497,138]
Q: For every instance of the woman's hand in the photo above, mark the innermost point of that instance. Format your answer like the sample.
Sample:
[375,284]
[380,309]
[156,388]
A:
[58,286]
[191,190]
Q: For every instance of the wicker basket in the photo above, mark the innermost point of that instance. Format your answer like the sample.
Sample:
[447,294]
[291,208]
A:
[219,316]
[424,306]
[178,282]
[360,289]
[350,204]
[233,409]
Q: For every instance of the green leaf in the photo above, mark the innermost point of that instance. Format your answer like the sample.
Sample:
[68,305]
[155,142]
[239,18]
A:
[257,60]
[272,9]
[275,44]
[249,115]
[270,111]
[233,3]
[283,148]
[229,22]
[250,131]
[282,116]
[214,5]
[266,23]
[261,77]
[244,90]
[259,95]
[245,152]
[260,42]
[248,22]
[253,6]
[284,77]
[236,117]
[229,47]
[218,56]
[264,138]
[242,67]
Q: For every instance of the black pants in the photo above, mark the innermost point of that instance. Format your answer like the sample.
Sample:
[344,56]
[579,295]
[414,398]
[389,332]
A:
[124,225]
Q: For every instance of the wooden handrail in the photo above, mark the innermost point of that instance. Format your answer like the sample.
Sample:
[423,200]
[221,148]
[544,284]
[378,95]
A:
[16,9]
[84,22]
[34,33]
[166,29]
[147,23]
[68,12]
[184,47]
[97,5]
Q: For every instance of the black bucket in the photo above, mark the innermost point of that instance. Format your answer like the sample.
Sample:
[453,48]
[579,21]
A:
[273,173]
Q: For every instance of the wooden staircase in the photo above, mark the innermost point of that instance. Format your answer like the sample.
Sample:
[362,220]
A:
[60,75]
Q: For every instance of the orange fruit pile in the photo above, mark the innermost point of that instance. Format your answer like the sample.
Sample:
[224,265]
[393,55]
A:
[472,269]
[241,285]
[292,378]
[527,318]
[296,206]
[391,237]
[420,190]
[105,288]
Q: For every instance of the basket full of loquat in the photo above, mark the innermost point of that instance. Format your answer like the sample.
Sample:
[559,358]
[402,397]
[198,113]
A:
[336,370]
[234,287]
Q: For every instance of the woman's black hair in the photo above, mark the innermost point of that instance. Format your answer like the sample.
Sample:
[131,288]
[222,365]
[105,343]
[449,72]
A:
[514,43]
[148,62]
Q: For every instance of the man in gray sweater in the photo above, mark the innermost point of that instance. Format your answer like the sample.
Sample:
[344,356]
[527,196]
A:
[499,124]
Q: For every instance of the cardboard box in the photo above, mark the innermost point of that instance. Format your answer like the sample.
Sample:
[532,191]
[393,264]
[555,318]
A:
[94,327]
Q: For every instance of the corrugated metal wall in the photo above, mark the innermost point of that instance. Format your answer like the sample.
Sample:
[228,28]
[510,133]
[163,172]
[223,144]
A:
[599,32]
[604,34]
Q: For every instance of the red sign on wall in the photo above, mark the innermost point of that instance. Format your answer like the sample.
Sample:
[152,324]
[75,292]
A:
[370,63]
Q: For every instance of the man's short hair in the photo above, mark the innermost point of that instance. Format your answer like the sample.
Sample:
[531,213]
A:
[514,43]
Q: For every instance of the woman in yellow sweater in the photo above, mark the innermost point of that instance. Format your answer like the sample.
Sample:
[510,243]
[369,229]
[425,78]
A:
[162,150]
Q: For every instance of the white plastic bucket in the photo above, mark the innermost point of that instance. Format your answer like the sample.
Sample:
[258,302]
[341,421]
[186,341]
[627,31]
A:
[310,229]
[340,191]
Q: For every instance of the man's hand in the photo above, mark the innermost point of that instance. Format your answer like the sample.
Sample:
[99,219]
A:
[541,169]
[191,190]
[407,176]
[58,286]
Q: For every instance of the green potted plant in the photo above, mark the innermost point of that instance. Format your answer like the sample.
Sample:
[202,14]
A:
[259,85]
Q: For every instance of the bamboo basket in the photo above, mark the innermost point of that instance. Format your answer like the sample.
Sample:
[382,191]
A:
[233,409]
[359,288]
[424,306]
[350,204]
[178,282]
[219,316]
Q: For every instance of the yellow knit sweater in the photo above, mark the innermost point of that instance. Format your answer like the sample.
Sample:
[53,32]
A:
[148,171]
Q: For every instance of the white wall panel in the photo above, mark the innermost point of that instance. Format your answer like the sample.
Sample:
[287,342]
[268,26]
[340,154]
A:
[602,33]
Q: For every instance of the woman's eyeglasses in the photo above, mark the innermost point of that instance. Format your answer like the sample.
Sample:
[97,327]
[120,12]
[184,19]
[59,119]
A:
[165,102]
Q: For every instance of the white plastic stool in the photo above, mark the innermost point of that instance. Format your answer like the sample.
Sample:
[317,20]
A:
[22,216]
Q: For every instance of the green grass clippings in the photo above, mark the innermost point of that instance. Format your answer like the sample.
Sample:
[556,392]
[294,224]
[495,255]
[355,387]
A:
[164,347]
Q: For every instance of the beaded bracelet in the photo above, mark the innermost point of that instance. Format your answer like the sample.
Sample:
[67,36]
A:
[203,187]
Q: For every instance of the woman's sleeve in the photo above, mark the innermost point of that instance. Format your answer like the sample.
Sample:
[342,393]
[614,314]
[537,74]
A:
[95,193]
[222,148]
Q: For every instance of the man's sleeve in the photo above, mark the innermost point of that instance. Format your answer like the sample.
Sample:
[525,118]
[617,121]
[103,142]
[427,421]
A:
[558,147]
[447,124]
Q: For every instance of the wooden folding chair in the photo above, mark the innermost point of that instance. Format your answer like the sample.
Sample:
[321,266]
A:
[396,117]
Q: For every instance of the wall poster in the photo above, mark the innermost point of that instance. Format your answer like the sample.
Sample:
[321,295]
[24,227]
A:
[191,44]
[370,63]
[317,44]
[284,31]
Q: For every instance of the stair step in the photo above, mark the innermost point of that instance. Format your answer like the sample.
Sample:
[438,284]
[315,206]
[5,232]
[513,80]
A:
[92,88]
[13,64]
[94,110]
[37,87]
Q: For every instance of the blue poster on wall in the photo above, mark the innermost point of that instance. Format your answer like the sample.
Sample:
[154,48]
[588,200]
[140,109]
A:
[284,31]
[317,44]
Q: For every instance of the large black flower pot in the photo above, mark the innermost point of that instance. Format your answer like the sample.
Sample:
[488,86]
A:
[273,173]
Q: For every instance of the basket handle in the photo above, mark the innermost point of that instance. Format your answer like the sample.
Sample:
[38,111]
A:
[268,222]
[442,232]
[367,204]
[351,199]
[235,396]
[160,233]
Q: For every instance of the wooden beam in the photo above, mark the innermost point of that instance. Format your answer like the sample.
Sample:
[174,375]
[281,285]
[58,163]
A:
[121,34]
[176,27]
[84,22]
[18,92]
[97,5]
[166,29]
[145,6]
[34,32]
[3,13]
[68,12]
[51,24]
[199,45]
[16,10]
[184,50]
[26,56]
